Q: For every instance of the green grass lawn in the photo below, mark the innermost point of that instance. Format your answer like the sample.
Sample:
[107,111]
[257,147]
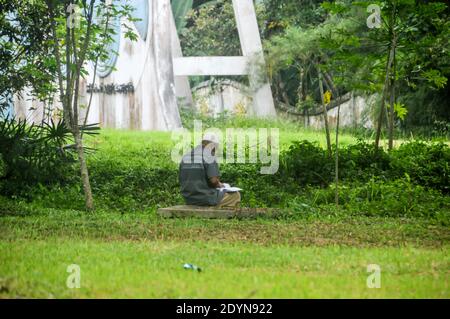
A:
[154,269]
[142,256]
[136,254]
[123,143]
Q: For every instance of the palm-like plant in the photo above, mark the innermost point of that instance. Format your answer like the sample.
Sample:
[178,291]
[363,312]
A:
[33,153]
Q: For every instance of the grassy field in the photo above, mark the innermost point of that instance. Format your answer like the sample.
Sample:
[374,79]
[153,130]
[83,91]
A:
[119,143]
[154,269]
[134,253]
[142,256]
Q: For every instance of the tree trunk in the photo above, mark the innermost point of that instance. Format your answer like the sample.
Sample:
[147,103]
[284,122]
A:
[325,112]
[304,84]
[84,171]
[303,76]
[391,107]
[89,202]
[383,98]
[333,88]
[281,87]
[329,80]
[56,52]
[336,164]
[300,89]
[386,85]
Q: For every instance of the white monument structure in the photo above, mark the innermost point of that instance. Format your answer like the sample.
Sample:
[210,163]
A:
[251,46]
[141,86]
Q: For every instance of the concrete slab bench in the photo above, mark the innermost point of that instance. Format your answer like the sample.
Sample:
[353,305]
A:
[212,212]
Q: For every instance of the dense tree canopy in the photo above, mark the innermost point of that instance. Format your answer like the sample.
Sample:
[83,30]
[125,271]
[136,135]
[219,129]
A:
[24,48]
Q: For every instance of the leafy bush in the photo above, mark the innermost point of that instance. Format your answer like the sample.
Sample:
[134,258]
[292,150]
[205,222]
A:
[33,154]
[397,198]
[308,163]
[360,161]
[125,187]
[426,164]
[380,197]
[260,190]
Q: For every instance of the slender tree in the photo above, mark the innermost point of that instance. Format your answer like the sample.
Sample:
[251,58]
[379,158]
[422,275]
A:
[78,38]
[324,110]
[382,110]
[391,31]
[392,104]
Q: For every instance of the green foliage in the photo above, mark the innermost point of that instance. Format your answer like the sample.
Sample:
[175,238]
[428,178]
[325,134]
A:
[24,48]
[425,164]
[428,113]
[400,110]
[133,172]
[261,190]
[355,56]
[33,154]
[308,164]
[189,115]
[131,188]
[362,160]
[211,30]
[387,198]
[289,13]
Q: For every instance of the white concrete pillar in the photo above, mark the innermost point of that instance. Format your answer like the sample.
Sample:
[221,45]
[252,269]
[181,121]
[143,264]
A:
[247,25]
[182,86]
[164,95]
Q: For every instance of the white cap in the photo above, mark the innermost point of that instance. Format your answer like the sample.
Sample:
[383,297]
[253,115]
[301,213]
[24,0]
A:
[211,137]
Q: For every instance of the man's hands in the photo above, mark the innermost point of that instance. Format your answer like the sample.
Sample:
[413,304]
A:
[215,182]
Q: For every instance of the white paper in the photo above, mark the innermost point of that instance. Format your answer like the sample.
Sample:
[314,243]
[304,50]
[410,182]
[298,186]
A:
[228,189]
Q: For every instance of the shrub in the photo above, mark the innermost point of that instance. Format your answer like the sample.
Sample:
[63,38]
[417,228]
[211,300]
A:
[307,163]
[382,198]
[33,154]
[260,190]
[128,187]
[397,198]
[426,164]
[362,160]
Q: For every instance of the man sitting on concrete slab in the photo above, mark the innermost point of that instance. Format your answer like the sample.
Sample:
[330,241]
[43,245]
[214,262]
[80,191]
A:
[199,177]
